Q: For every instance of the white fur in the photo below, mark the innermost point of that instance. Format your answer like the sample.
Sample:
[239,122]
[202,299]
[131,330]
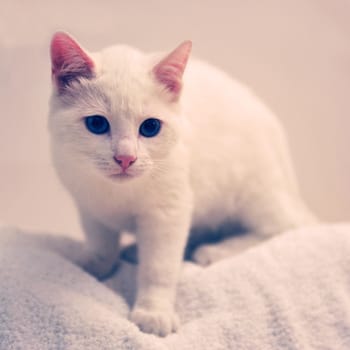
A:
[221,156]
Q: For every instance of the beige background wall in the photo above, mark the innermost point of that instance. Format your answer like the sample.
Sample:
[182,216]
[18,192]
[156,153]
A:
[294,53]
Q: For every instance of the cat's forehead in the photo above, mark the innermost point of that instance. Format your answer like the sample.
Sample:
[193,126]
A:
[123,77]
[122,85]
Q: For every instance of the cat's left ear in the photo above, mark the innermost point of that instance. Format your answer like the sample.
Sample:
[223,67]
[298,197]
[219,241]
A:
[169,71]
[69,61]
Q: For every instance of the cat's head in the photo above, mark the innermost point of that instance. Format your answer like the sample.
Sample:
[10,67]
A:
[115,112]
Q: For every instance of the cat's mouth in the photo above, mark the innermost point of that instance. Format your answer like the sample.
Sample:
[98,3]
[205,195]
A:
[121,176]
[124,175]
[127,174]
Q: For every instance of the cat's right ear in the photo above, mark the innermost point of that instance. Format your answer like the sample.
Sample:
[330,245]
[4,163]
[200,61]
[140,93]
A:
[170,70]
[69,61]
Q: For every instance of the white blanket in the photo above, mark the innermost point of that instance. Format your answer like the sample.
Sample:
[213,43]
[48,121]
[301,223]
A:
[292,292]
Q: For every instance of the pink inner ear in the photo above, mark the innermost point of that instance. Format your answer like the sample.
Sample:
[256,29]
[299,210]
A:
[69,61]
[169,71]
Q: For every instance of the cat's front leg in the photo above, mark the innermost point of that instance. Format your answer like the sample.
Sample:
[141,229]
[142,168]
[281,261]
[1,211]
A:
[100,255]
[161,241]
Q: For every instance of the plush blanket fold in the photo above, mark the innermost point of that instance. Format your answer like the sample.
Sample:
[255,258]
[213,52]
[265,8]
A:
[292,292]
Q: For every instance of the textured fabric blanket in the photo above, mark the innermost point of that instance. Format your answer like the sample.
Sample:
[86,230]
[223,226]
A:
[292,292]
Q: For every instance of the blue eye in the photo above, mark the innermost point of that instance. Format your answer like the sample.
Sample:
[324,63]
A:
[97,124]
[150,127]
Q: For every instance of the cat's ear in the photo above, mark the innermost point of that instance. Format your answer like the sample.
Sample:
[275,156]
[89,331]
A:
[69,61]
[170,69]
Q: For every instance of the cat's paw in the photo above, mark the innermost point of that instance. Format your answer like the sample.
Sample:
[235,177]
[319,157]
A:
[99,266]
[156,322]
[208,254]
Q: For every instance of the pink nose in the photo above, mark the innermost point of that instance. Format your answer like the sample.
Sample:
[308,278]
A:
[125,161]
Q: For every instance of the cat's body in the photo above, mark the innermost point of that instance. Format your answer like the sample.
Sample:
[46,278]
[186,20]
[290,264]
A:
[220,156]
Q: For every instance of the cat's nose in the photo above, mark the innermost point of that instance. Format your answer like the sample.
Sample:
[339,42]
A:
[125,160]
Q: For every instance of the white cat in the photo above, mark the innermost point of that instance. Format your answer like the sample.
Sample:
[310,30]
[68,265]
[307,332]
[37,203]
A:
[146,146]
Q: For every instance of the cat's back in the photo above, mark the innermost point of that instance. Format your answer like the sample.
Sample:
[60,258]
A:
[224,114]
[213,92]
[232,135]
